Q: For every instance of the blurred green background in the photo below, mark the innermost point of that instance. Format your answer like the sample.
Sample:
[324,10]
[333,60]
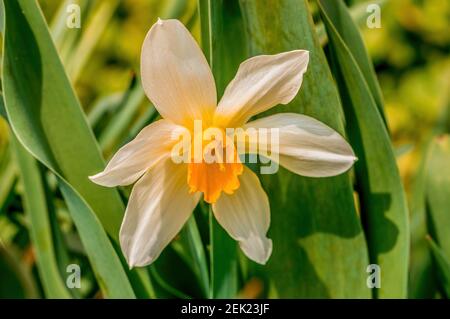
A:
[411,54]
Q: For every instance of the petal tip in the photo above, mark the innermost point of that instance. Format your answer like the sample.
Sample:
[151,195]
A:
[97,179]
[93,178]
[102,179]
[257,249]
[139,262]
[160,21]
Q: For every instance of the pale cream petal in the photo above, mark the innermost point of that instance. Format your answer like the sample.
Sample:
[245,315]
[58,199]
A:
[261,83]
[159,206]
[307,146]
[245,215]
[152,144]
[175,74]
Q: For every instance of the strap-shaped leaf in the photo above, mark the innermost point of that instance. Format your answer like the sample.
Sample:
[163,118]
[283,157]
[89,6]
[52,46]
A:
[45,113]
[383,204]
[349,32]
[47,119]
[318,244]
[40,229]
[437,185]
[442,267]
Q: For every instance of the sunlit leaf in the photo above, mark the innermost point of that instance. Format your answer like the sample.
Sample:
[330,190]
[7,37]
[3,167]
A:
[442,265]
[47,119]
[41,234]
[383,204]
[350,35]
[318,244]
[437,186]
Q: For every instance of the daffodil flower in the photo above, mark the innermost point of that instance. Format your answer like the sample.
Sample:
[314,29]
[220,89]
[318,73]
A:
[177,79]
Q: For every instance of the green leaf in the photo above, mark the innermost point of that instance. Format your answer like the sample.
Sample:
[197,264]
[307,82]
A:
[46,117]
[40,229]
[106,264]
[45,113]
[343,22]
[442,266]
[217,27]
[437,186]
[197,259]
[383,204]
[422,281]
[319,249]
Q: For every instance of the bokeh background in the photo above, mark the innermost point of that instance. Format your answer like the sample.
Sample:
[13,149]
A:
[411,54]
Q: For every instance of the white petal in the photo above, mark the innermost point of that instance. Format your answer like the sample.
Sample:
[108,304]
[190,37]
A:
[175,74]
[261,83]
[245,215]
[307,146]
[159,206]
[152,144]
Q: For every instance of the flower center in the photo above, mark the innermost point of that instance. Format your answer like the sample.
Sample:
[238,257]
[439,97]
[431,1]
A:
[214,167]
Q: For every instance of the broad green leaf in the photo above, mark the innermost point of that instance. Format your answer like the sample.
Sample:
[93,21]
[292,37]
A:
[383,204]
[219,25]
[106,264]
[40,228]
[47,119]
[343,22]
[318,244]
[442,266]
[45,113]
[422,281]
[359,14]
[437,185]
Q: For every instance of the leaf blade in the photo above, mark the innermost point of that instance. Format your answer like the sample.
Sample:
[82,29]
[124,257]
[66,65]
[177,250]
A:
[313,241]
[36,209]
[379,185]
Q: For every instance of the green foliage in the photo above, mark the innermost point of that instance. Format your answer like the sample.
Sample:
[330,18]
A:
[36,207]
[72,97]
[378,182]
[319,246]
[45,115]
